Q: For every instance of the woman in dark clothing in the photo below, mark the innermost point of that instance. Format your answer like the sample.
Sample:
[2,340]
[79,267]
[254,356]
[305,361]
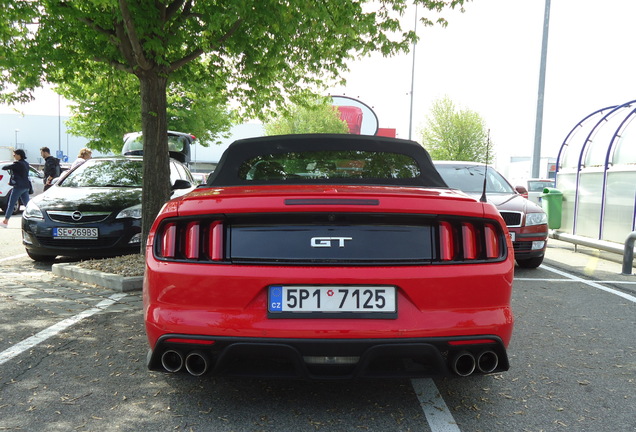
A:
[20,172]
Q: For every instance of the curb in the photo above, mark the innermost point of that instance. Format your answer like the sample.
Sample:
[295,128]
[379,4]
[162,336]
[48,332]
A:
[106,280]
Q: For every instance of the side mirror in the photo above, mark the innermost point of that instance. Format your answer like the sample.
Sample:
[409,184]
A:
[521,190]
[181,184]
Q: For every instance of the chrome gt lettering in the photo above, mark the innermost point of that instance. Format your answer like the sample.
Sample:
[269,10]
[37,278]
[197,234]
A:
[328,241]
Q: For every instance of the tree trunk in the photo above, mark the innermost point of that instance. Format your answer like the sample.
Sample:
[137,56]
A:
[154,125]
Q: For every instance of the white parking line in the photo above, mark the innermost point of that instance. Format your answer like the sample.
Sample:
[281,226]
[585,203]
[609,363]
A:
[437,414]
[593,284]
[13,257]
[40,337]
[568,281]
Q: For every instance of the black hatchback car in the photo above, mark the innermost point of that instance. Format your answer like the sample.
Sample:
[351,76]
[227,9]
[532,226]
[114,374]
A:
[94,211]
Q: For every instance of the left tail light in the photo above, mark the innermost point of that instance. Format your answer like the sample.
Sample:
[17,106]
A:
[197,240]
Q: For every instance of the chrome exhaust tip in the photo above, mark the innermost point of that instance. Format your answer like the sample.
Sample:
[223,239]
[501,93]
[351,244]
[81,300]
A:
[172,361]
[487,361]
[463,364]
[196,363]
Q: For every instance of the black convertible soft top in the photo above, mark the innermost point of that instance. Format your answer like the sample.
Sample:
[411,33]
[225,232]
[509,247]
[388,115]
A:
[231,168]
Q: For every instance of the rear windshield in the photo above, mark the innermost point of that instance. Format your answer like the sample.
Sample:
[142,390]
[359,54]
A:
[135,141]
[537,186]
[325,159]
[348,164]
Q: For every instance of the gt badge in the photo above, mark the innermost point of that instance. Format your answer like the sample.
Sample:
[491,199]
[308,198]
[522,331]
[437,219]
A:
[328,241]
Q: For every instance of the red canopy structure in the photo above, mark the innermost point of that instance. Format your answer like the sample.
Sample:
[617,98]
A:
[353,116]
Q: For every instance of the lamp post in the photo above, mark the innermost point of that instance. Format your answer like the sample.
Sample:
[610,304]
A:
[536,153]
[16,137]
[413,76]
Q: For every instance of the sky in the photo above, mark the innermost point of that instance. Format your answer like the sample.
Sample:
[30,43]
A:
[487,60]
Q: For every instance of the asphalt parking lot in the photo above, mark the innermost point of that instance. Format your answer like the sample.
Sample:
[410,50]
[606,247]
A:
[72,357]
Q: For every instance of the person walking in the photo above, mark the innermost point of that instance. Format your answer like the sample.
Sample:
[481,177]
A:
[51,167]
[84,155]
[20,174]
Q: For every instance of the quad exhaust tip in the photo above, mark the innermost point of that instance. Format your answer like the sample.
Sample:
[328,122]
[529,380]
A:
[197,363]
[465,363]
[172,361]
[487,361]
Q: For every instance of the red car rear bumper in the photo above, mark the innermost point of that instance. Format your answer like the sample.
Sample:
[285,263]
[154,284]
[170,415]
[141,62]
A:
[227,304]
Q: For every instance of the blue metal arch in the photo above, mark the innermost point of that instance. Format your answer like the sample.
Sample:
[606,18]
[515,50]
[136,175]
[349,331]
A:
[608,156]
[566,143]
[610,151]
[583,147]
[579,166]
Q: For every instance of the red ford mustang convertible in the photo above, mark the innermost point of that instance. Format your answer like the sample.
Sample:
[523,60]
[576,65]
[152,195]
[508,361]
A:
[328,257]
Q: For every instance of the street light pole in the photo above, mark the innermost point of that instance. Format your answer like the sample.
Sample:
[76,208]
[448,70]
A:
[59,124]
[412,76]
[536,155]
[16,137]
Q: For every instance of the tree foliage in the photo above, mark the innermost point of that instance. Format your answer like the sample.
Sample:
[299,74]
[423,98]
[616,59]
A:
[314,117]
[257,53]
[459,135]
[106,106]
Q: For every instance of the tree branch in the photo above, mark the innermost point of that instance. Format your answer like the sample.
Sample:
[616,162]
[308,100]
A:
[198,52]
[115,64]
[90,23]
[173,7]
[137,50]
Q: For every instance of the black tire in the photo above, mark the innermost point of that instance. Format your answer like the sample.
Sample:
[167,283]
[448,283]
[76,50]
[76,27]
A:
[40,258]
[16,209]
[4,204]
[530,262]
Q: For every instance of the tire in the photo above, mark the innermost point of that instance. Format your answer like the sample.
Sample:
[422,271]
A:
[4,204]
[40,258]
[16,209]
[530,262]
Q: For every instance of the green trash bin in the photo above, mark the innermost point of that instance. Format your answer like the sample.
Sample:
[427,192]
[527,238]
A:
[552,202]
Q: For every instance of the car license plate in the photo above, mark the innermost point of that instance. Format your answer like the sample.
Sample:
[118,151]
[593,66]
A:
[372,301]
[75,233]
[512,236]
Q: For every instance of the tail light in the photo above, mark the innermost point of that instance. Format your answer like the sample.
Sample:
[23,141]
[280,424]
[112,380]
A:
[168,240]
[470,241]
[446,240]
[492,241]
[191,240]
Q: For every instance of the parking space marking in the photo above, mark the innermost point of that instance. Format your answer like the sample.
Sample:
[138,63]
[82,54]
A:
[40,337]
[13,257]
[569,280]
[437,414]
[593,284]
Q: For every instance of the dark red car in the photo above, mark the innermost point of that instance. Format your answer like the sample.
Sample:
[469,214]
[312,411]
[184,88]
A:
[328,257]
[526,221]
